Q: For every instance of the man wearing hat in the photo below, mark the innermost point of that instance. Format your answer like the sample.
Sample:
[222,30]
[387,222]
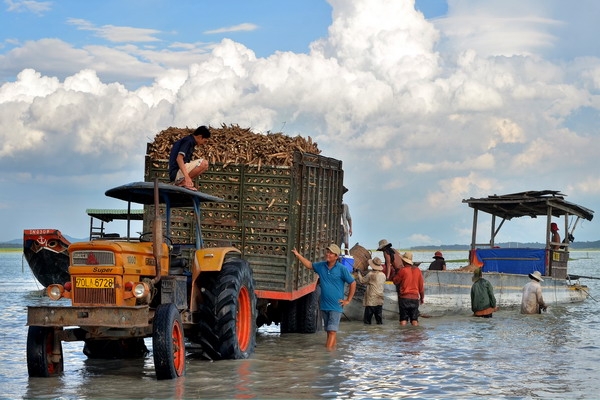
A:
[373,300]
[333,276]
[483,301]
[392,259]
[438,264]
[532,301]
[411,292]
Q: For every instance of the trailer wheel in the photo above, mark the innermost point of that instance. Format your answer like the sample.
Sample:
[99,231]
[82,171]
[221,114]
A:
[43,360]
[289,317]
[168,342]
[228,312]
[309,316]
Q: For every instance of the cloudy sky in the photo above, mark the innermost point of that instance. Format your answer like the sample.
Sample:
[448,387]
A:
[426,103]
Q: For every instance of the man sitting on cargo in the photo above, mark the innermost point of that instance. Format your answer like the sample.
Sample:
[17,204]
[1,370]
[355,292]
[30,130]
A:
[181,169]
[332,277]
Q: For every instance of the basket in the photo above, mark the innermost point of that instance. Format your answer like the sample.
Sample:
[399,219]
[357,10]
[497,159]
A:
[361,257]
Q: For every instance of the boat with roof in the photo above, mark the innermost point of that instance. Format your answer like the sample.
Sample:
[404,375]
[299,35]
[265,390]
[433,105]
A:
[507,269]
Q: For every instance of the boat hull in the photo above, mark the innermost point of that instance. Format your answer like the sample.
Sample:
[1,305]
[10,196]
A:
[449,292]
[46,252]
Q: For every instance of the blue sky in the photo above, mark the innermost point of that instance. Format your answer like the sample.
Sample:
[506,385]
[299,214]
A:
[426,103]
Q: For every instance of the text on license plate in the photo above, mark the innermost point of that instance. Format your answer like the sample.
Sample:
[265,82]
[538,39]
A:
[95,283]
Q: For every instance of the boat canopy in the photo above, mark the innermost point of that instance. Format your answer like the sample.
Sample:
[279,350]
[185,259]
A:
[109,215]
[529,204]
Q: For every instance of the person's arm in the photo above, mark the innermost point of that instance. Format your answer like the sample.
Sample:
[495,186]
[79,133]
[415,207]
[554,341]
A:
[421,287]
[363,279]
[302,259]
[540,298]
[443,265]
[187,181]
[349,217]
[491,295]
[351,291]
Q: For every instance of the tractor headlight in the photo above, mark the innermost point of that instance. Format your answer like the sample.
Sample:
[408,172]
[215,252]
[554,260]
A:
[55,291]
[140,290]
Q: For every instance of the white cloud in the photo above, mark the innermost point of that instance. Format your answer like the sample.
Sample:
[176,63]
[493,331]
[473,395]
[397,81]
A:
[245,27]
[421,116]
[36,7]
[117,34]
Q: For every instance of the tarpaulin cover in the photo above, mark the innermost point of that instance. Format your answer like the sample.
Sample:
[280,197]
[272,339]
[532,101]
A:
[513,261]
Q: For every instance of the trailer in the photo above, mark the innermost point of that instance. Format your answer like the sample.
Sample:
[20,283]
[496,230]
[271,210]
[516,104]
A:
[268,211]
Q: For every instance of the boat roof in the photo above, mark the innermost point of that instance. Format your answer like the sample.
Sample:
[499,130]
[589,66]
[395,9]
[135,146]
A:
[529,204]
[109,214]
[175,196]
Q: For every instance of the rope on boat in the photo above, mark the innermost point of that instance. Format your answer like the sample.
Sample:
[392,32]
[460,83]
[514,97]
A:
[588,293]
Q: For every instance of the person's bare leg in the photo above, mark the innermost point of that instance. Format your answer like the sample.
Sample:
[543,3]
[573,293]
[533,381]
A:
[402,323]
[331,340]
[414,323]
[199,169]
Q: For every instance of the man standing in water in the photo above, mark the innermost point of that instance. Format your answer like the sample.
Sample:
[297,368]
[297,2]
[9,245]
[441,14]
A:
[483,301]
[411,292]
[333,276]
[532,301]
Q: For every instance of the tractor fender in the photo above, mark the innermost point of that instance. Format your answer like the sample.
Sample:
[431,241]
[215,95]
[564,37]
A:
[210,259]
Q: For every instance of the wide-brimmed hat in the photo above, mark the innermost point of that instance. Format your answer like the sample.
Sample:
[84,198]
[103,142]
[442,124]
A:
[438,254]
[382,244]
[334,248]
[537,276]
[376,264]
[476,274]
[554,226]
[407,258]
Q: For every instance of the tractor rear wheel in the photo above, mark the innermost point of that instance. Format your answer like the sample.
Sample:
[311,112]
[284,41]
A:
[43,360]
[168,342]
[228,312]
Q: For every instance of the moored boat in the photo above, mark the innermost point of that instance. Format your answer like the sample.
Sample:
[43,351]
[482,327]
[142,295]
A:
[46,250]
[507,269]
[46,253]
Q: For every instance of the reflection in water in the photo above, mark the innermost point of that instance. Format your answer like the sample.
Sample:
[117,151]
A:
[553,355]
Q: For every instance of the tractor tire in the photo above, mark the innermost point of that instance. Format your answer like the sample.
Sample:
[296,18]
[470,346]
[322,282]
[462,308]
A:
[40,344]
[168,342]
[308,313]
[228,312]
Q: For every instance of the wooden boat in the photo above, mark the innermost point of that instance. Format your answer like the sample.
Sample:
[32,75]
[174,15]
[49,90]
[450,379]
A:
[507,269]
[46,250]
[46,253]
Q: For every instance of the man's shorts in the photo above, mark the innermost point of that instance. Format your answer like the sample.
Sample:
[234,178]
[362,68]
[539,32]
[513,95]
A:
[331,320]
[188,166]
[409,309]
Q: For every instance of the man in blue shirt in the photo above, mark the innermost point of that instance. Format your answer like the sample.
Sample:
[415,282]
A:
[181,169]
[333,276]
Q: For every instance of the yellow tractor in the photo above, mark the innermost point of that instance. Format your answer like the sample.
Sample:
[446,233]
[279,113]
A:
[124,289]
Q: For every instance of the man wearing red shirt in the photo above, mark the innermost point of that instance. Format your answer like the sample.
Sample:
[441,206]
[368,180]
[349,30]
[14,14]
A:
[409,281]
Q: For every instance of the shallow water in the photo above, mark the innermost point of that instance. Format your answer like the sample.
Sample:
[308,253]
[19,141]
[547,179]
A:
[553,355]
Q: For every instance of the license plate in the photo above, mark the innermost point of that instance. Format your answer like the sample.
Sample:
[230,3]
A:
[95,283]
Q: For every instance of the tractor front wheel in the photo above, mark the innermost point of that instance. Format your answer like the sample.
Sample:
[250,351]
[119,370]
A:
[168,342]
[44,357]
